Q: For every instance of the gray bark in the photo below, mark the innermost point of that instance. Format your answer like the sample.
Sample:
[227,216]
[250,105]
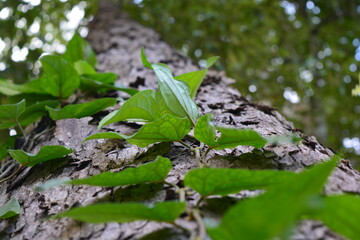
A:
[117,41]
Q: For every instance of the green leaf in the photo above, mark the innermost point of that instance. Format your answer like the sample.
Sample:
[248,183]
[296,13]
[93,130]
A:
[81,110]
[10,209]
[7,142]
[340,213]
[101,82]
[232,137]
[83,67]
[193,80]
[60,79]
[150,172]
[205,130]
[8,89]
[11,112]
[273,212]
[144,59]
[46,153]
[223,181]
[166,129]
[144,106]
[126,212]
[35,111]
[78,49]
[211,61]
[51,184]
[175,93]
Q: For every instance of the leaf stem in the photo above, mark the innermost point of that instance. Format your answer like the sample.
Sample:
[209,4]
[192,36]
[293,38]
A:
[172,185]
[181,227]
[201,225]
[206,153]
[13,174]
[185,144]
[21,128]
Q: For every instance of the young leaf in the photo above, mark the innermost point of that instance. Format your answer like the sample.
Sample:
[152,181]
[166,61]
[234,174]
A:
[35,111]
[81,110]
[165,129]
[273,212]
[144,59]
[126,212]
[193,80]
[223,181]
[10,209]
[205,130]
[232,137]
[78,49]
[83,67]
[175,93]
[60,79]
[211,61]
[144,106]
[150,172]
[11,112]
[340,213]
[46,153]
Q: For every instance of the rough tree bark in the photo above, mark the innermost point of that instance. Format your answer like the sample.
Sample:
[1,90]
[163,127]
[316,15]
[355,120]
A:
[117,41]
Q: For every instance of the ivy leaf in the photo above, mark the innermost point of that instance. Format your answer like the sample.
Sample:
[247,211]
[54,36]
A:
[273,212]
[12,111]
[223,181]
[340,213]
[60,79]
[175,93]
[126,212]
[81,110]
[46,153]
[144,59]
[193,80]
[10,209]
[166,129]
[205,130]
[35,111]
[232,137]
[78,49]
[211,61]
[150,172]
[144,106]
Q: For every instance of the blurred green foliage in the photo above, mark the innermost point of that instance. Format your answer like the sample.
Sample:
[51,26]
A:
[300,56]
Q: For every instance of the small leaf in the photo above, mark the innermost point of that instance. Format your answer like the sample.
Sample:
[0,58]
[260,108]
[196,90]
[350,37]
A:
[81,110]
[175,93]
[193,80]
[340,213]
[280,139]
[273,212]
[205,130]
[166,129]
[8,89]
[126,212]
[78,49]
[35,111]
[144,59]
[51,184]
[150,172]
[10,209]
[232,137]
[46,153]
[211,61]
[222,181]
[83,67]
[60,79]
[144,106]
[11,111]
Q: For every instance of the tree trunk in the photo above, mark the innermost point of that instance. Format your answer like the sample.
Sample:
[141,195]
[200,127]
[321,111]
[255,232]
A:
[117,41]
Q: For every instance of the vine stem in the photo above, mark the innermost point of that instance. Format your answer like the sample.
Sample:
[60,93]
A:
[181,227]
[21,128]
[13,174]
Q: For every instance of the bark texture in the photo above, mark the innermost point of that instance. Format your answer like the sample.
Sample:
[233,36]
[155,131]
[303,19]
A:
[117,41]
